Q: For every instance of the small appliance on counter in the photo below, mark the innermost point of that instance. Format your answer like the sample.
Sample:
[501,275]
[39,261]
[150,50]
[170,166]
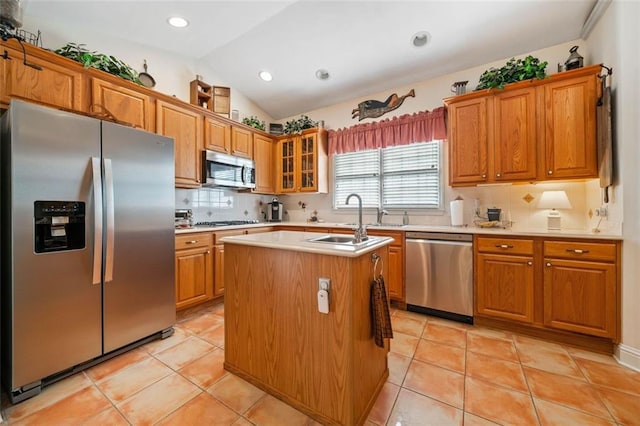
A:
[275,211]
[183,218]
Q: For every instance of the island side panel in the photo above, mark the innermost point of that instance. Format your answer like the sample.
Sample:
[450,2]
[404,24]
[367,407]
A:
[275,336]
[370,361]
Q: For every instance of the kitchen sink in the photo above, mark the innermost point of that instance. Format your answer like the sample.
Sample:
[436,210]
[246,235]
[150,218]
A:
[343,240]
[334,239]
[390,225]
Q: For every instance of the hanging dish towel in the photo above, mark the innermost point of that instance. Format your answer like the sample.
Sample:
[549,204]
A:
[381,318]
[605,139]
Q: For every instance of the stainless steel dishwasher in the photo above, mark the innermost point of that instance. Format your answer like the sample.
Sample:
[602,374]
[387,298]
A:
[439,274]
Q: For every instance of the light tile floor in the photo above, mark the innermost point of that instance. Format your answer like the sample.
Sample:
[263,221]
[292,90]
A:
[441,373]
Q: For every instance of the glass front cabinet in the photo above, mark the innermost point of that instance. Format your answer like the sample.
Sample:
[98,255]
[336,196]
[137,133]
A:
[303,162]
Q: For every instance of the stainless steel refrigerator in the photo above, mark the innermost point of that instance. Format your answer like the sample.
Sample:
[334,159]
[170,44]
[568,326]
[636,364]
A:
[87,242]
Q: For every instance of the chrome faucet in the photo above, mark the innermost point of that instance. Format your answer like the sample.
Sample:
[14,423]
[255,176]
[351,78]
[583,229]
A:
[360,233]
[381,212]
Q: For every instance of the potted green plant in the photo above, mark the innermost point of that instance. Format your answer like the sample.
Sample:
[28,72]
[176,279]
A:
[513,71]
[297,125]
[92,59]
[253,122]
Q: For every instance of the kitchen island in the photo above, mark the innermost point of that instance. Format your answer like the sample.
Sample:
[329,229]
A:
[324,364]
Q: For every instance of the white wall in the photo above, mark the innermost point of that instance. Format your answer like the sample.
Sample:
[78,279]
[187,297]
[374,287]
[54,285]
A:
[615,41]
[429,93]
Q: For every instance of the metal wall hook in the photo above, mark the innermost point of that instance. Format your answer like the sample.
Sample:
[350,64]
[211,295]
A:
[375,258]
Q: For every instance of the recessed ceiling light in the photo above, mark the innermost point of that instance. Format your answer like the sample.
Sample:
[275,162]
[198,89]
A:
[322,74]
[420,39]
[265,75]
[178,22]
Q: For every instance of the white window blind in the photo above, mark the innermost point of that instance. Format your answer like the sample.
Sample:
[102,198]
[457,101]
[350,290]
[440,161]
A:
[406,176]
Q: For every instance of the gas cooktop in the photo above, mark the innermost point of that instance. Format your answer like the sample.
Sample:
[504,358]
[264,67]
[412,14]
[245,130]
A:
[226,222]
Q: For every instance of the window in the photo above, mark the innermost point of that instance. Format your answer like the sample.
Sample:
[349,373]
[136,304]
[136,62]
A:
[406,176]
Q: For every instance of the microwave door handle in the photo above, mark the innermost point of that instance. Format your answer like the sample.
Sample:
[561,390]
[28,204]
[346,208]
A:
[242,175]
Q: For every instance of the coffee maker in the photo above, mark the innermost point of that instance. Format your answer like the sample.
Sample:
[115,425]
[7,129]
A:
[275,211]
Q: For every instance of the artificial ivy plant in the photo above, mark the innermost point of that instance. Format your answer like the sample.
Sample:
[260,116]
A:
[513,71]
[253,122]
[92,59]
[297,125]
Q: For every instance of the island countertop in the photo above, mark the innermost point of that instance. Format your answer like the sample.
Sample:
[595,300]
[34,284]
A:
[301,241]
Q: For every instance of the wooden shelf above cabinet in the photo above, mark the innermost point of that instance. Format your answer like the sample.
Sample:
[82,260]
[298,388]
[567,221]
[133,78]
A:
[213,98]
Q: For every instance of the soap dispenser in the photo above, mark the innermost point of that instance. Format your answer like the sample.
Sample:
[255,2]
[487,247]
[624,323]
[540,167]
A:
[405,218]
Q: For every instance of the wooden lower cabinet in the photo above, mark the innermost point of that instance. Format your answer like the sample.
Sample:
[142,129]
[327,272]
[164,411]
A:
[556,288]
[580,293]
[395,267]
[218,282]
[194,269]
[504,286]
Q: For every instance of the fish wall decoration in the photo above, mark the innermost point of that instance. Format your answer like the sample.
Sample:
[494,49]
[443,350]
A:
[373,109]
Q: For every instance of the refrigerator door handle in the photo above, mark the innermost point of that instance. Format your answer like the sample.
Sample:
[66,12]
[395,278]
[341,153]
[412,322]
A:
[97,220]
[110,209]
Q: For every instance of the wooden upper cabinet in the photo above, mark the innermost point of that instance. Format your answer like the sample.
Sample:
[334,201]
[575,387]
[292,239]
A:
[302,162]
[125,105]
[185,127]
[514,136]
[55,85]
[241,142]
[533,130]
[469,141]
[217,135]
[570,128]
[263,152]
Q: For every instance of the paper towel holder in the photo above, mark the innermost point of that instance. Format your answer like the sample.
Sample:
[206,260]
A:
[457,211]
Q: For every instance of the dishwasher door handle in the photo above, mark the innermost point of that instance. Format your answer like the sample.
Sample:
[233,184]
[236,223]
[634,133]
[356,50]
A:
[449,243]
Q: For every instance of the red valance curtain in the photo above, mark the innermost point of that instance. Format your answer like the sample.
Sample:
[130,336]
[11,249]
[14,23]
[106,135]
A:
[421,126]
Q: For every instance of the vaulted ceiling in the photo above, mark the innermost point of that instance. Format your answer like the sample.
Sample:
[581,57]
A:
[364,45]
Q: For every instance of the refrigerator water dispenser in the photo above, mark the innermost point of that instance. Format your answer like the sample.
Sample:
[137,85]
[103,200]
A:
[59,226]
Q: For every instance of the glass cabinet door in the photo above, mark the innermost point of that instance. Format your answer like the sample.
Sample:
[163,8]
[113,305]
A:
[287,176]
[307,162]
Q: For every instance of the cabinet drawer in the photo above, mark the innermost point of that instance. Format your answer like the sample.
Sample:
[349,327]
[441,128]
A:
[398,237]
[505,245]
[189,241]
[605,252]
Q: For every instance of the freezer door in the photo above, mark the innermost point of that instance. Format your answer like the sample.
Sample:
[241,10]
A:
[54,307]
[139,292]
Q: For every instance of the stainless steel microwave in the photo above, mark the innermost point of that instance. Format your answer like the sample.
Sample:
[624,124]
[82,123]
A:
[227,170]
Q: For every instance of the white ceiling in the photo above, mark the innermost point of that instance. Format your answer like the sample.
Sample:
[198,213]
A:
[365,45]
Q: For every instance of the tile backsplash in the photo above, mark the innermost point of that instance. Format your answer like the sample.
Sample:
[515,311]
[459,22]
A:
[518,203]
[214,204]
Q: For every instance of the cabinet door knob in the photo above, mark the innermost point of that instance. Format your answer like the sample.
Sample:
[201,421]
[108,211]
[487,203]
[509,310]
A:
[504,246]
[549,172]
[498,174]
[208,251]
[577,251]
[191,242]
[484,176]
[530,263]
[548,264]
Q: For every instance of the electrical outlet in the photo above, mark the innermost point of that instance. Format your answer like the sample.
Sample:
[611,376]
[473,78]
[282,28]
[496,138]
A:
[601,211]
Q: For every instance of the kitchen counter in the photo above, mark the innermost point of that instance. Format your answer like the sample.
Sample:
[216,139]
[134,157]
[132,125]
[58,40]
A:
[300,241]
[565,233]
